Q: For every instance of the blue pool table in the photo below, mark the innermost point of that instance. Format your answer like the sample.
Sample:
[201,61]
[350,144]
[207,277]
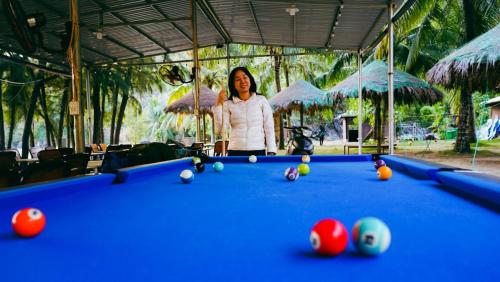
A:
[248,223]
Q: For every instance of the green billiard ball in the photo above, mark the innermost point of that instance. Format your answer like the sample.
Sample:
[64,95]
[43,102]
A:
[303,169]
[196,160]
[218,166]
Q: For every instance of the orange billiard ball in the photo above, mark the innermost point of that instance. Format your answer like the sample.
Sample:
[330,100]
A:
[28,222]
[384,173]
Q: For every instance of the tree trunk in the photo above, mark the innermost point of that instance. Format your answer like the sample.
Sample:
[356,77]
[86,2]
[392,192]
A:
[470,17]
[72,130]
[114,106]
[471,127]
[378,121]
[121,115]
[96,88]
[2,128]
[104,90]
[29,120]
[64,106]
[462,144]
[12,123]
[45,114]
[277,80]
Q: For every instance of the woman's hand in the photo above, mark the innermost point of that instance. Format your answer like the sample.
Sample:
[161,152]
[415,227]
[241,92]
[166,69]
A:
[221,98]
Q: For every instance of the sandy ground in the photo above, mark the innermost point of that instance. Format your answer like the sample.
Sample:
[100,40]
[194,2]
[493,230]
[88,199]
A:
[487,158]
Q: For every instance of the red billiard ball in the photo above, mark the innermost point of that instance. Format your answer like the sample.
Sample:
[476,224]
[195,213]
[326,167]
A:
[28,222]
[329,237]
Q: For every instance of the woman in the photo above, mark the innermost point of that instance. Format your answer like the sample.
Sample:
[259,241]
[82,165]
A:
[249,116]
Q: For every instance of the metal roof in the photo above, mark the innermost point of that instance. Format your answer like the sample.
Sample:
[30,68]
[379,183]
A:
[141,28]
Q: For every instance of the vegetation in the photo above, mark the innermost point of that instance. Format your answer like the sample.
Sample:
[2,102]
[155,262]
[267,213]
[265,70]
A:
[127,102]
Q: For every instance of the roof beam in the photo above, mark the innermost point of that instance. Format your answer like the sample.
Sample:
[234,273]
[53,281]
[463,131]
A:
[117,42]
[82,24]
[210,14]
[127,23]
[379,17]
[35,66]
[405,7]
[126,7]
[174,25]
[254,15]
[329,39]
[137,29]
[367,4]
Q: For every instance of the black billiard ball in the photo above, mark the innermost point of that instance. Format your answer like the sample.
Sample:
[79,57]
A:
[199,167]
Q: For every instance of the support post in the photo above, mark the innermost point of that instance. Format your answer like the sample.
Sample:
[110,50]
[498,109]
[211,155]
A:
[196,68]
[228,62]
[89,117]
[74,59]
[360,103]
[390,79]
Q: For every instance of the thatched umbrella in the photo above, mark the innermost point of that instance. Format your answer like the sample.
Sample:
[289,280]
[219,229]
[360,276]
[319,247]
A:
[474,67]
[477,62]
[408,89]
[185,104]
[301,96]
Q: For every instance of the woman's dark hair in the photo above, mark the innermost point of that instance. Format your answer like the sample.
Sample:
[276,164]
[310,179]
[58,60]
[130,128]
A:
[232,89]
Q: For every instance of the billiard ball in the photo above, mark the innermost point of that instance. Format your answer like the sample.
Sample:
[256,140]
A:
[28,222]
[384,173]
[199,167]
[306,159]
[218,166]
[196,160]
[252,159]
[329,237]
[291,174]
[371,236]
[378,163]
[187,176]
[303,169]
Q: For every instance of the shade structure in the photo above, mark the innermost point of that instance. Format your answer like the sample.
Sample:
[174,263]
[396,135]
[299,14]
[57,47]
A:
[408,89]
[300,93]
[138,29]
[185,105]
[477,61]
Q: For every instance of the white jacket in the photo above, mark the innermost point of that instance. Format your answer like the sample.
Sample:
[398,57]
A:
[251,123]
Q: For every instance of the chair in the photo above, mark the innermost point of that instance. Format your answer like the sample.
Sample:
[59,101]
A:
[76,164]
[9,170]
[103,147]
[95,148]
[113,147]
[125,146]
[34,152]
[37,172]
[50,156]
[195,149]
[66,151]
[150,153]
[114,160]
[218,148]
[18,155]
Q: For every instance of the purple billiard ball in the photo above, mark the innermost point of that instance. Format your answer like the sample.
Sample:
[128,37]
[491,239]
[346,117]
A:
[291,173]
[379,163]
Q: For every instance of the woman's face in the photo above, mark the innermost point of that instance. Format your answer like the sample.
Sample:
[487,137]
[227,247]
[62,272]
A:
[241,82]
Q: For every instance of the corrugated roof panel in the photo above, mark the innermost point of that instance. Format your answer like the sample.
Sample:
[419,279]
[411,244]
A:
[314,19]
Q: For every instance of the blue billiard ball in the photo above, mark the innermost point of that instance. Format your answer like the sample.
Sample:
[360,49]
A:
[187,176]
[371,236]
[218,166]
[291,173]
